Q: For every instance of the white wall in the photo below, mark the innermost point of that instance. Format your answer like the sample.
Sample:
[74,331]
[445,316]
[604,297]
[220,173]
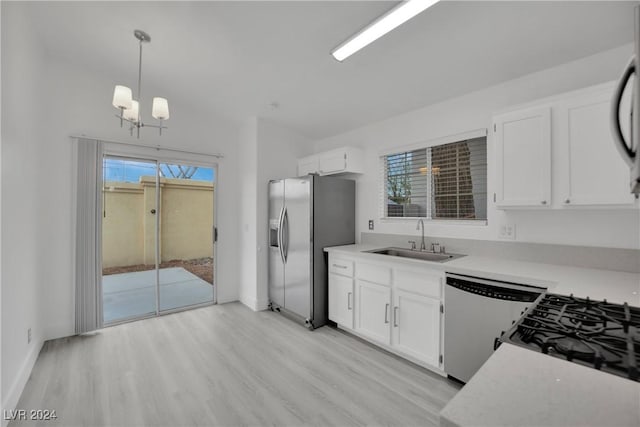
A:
[50,100]
[247,209]
[607,228]
[22,206]
[269,151]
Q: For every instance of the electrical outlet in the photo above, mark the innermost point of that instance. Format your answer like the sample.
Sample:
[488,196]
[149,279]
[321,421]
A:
[29,336]
[507,231]
[370,224]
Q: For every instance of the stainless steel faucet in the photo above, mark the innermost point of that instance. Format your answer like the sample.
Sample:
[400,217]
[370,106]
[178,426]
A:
[423,246]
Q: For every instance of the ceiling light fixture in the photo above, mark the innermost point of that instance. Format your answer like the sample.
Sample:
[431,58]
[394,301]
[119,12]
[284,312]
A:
[130,108]
[381,26]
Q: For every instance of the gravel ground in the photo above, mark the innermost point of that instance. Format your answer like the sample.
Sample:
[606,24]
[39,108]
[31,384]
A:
[203,268]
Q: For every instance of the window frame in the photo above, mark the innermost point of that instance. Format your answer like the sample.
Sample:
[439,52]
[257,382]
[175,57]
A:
[382,173]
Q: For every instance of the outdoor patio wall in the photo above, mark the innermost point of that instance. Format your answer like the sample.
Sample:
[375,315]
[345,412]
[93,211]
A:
[186,221]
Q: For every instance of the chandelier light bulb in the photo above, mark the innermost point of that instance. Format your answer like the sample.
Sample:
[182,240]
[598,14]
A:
[160,108]
[122,97]
[131,114]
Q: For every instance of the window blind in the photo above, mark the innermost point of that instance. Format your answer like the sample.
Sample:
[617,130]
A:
[88,265]
[447,181]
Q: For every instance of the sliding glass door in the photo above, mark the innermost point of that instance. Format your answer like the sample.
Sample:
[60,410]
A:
[129,238]
[157,237]
[186,235]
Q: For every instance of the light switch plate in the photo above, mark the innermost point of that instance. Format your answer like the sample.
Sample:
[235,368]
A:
[507,231]
[370,224]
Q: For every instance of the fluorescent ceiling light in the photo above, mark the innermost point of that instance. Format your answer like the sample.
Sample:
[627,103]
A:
[381,26]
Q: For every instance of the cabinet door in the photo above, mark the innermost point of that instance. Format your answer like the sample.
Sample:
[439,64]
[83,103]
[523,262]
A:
[373,311]
[307,165]
[523,158]
[594,173]
[332,162]
[416,326]
[341,300]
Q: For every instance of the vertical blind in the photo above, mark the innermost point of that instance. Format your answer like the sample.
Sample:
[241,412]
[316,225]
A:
[447,181]
[88,268]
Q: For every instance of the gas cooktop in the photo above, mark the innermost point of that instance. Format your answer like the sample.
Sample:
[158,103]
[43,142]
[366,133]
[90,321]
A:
[599,334]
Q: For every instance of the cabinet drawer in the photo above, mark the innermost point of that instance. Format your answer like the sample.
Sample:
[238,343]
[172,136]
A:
[424,282]
[374,273]
[341,266]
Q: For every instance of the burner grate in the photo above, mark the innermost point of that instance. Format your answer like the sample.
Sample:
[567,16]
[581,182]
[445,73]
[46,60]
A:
[600,334]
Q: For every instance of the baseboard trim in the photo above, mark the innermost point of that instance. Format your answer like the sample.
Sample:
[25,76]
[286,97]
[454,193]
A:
[13,396]
[255,304]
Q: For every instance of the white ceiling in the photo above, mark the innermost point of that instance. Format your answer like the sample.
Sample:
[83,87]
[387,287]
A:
[233,59]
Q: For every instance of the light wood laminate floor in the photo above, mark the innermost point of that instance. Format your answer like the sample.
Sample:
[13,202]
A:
[226,365]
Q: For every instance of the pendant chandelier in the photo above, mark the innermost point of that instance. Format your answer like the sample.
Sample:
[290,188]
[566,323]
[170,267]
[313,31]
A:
[130,108]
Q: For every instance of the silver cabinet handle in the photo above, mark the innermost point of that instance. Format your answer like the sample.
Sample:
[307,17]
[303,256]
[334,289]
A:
[395,316]
[386,313]
[339,266]
[349,295]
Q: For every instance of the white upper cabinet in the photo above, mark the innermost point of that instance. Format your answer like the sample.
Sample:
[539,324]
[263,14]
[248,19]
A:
[559,153]
[523,157]
[593,172]
[307,165]
[338,161]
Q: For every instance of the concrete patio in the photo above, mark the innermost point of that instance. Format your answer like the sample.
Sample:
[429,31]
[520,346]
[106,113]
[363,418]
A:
[128,295]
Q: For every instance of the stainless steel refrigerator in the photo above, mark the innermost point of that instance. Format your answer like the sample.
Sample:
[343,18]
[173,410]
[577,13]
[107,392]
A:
[306,214]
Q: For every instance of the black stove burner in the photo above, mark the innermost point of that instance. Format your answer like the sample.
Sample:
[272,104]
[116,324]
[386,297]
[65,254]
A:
[603,335]
[574,347]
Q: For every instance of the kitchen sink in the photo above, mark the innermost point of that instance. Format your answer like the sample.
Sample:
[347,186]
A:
[415,254]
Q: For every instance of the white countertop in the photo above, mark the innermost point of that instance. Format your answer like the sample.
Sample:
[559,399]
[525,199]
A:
[519,387]
[614,286]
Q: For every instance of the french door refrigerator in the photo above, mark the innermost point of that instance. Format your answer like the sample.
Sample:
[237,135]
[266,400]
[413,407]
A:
[306,214]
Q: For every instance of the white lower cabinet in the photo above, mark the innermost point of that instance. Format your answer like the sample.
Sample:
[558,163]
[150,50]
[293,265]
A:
[416,326]
[341,299]
[373,305]
[400,313]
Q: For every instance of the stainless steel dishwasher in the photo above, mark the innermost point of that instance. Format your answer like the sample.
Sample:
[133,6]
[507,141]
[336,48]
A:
[476,312]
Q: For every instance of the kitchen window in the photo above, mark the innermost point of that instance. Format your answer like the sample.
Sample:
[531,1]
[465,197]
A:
[440,182]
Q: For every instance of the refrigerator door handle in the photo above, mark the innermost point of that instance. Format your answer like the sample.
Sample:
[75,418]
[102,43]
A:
[280,221]
[285,234]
